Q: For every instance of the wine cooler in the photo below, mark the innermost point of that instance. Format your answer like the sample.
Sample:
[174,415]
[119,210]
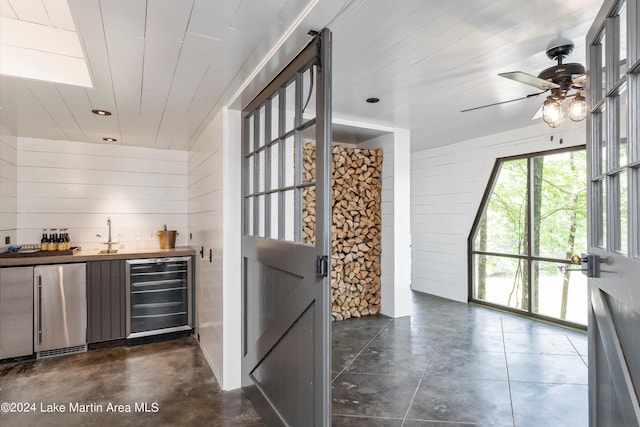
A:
[159,297]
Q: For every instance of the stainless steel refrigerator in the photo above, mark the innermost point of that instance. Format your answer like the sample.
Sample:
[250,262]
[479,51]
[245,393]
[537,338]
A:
[60,303]
[16,312]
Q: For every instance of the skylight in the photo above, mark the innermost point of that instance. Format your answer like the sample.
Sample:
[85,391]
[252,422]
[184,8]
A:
[38,41]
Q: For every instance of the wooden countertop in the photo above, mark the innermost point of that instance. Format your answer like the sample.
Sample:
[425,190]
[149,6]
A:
[84,256]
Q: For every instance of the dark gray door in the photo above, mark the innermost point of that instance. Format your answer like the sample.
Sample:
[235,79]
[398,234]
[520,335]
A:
[286,133]
[613,57]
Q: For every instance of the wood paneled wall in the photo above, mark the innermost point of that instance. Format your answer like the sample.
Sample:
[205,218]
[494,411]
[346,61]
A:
[447,184]
[215,200]
[8,187]
[77,185]
[205,224]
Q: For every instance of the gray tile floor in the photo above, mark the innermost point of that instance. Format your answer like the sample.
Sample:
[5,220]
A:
[454,365]
[110,387]
[448,365]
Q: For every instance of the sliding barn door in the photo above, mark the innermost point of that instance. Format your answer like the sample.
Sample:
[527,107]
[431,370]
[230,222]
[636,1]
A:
[613,262]
[286,289]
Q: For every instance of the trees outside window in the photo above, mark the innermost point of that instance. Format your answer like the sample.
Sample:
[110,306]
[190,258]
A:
[531,222]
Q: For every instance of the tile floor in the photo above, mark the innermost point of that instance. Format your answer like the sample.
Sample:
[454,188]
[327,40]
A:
[448,365]
[173,374]
[454,365]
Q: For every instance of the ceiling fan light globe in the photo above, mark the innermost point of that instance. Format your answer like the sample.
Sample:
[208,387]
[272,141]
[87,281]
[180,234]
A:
[552,113]
[578,108]
[555,124]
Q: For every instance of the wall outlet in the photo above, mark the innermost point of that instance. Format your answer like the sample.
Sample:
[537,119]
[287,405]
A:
[7,240]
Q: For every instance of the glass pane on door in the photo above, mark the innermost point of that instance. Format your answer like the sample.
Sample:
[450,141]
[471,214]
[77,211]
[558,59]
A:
[274,165]
[262,129]
[634,195]
[261,171]
[289,215]
[275,116]
[288,153]
[274,217]
[291,109]
[623,105]
[603,142]
[249,215]
[623,212]
[308,94]
[260,212]
[603,212]
[622,47]
[603,41]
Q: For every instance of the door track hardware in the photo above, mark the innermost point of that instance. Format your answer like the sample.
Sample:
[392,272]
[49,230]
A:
[322,266]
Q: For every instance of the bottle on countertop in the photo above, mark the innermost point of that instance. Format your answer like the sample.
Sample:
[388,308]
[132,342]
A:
[66,240]
[44,241]
[52,242]
[61,244]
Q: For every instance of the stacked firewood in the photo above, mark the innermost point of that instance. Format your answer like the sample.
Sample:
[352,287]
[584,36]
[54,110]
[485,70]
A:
[356,228]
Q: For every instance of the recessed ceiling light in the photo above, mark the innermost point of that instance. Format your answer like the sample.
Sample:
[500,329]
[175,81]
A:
[110,139]
[101,112]
[373,100]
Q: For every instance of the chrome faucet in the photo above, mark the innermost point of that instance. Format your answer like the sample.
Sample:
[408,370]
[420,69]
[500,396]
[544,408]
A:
[109,225]
[109,242]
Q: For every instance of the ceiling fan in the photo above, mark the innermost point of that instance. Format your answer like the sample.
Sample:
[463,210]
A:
[562,81]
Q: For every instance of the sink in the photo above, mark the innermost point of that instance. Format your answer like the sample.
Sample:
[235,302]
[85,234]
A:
[106,251]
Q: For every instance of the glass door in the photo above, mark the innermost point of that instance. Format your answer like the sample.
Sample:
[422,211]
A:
[613,138]
[285,265]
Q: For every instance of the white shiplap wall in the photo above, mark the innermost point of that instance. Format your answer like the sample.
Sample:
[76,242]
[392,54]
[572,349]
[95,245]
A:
[214,182]
[8,187]
[77,185]
[395,257]
[205,225]
[385,143]
[447,185]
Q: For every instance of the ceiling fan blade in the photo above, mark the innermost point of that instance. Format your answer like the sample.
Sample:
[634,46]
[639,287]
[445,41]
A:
[504,102]
[580,81]
[530,80]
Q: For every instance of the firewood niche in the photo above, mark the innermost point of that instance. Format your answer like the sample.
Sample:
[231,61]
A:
[356,227]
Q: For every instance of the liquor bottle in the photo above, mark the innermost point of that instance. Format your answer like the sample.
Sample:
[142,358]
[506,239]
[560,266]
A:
[52,243]
[44,241]
[67,241]
[61,244]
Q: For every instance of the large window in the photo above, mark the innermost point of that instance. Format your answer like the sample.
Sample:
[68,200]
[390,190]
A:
[531,222]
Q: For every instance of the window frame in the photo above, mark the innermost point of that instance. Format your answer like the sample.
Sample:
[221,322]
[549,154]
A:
[528,257]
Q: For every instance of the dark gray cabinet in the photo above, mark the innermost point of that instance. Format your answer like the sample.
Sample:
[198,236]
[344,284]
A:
[106,301]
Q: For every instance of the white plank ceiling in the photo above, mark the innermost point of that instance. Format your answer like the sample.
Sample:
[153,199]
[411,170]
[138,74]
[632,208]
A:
[165,67]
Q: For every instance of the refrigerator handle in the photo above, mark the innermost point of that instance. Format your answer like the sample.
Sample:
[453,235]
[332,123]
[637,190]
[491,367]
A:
[39,309]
